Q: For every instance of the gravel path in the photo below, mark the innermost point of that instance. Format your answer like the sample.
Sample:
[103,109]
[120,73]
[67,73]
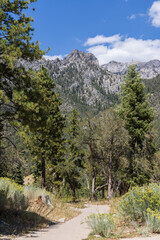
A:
[75,229]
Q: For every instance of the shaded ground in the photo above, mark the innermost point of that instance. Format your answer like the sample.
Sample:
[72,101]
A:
[16,222]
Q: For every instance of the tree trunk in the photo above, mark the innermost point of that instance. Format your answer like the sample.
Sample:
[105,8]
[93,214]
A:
[88,186]
[43,172]
[93,187]
[110,189]
[73,193]
[103,193]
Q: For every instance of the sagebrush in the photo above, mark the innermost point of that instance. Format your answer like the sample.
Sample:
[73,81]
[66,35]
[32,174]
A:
[12,196]
[102,224]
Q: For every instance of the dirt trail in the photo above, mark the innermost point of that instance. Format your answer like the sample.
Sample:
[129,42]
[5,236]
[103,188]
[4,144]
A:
[75,229]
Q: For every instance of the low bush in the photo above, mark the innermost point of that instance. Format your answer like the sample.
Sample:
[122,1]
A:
[136,202]
[11,195]
[152,220]
[101,224]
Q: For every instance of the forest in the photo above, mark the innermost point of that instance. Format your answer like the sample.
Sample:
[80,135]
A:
[93,156]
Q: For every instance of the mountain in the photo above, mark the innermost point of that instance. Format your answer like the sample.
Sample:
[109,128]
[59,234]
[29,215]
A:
[88,87]
[81,82]
[147,70]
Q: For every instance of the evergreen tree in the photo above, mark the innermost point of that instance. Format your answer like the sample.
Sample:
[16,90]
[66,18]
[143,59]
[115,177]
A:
[15,36]
[138,116]
[15,44]
[135,109]
[72,165]
[39,119]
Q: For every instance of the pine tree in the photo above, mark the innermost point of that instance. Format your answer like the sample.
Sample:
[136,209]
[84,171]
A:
[15,44]
[15,36]
[138,116]
[39,119]
[135,109]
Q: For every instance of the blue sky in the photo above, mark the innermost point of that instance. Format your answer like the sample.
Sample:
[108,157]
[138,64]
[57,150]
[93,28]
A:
[120,30]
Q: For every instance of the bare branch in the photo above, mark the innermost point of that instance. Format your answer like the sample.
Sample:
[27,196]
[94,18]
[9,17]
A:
[9,141]
[101,186]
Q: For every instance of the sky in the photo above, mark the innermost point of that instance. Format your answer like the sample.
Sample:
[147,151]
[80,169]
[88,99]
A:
[119,30]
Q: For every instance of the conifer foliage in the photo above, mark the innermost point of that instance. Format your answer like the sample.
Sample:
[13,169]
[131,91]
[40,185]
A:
[135,107]
[40,121]
[138,117]
[15,43]
[72,166]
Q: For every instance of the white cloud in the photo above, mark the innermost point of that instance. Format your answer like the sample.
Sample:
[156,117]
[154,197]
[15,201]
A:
[100,39]
[127,50]
[133,16]
[53,57]
[154,13]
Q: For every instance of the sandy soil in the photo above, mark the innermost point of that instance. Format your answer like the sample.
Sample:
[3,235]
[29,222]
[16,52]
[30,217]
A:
[75,229]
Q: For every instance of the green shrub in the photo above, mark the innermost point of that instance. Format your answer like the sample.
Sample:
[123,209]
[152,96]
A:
[136,202]
[152,220]
[11,195]
[101,224]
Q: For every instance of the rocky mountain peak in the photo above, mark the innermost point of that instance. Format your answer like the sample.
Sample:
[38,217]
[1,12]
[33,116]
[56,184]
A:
[146,69]
[78,56]
[153,63]
[116,67]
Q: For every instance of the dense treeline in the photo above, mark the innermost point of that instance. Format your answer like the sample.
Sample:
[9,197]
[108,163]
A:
[97,156]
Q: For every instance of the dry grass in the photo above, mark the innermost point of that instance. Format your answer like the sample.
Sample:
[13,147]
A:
[59,210]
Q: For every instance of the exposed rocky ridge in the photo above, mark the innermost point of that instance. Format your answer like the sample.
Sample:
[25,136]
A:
[85,85]
[146,69]
[81,82]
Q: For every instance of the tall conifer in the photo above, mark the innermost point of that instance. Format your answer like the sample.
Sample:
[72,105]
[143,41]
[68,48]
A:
[40,121]
[138,115]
